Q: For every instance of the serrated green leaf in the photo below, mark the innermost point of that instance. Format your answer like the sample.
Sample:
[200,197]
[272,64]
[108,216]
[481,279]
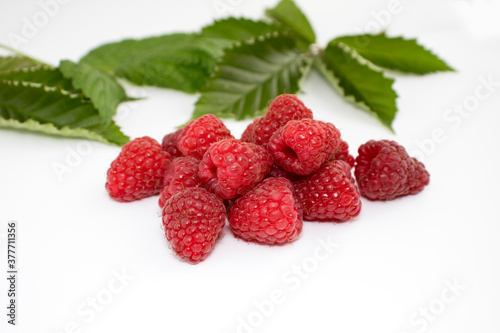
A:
[109,135]
[251,75]
[102,89]
[365,85]
[177,61]
[405,55]
[238,30]
[288,14]
[39,74]
[15,63]
[26,58]
[52,110]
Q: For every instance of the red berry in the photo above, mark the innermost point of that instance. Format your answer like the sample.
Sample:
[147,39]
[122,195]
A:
[302,146]
[182,173]
[329,194]
[192,220]
[343,154]
[282,109]
[385,171]
[199,134]
[164,196]
[287,107]
[268,213]
[138,170]
[248,134]
[277,171]
[169,144]
[419,178]
[230,167]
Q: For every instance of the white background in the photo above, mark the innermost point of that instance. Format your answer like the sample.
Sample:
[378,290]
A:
[395,262]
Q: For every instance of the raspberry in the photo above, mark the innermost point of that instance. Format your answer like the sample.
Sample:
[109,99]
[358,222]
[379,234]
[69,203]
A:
[287,107]
[164,196]
[230,167]
[199,134]
[302,146]
[192,220]
[277,171]
[248,134]
[268,213]
[329,194]
[418,179]
[138,170]
[343,154]
[182,173]
[169,144]
[282,109]
[385,171]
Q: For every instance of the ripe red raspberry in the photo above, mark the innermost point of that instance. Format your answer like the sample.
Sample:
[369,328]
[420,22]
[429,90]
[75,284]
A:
[138,170]
[385,171]
[199,134]
[248,134]
[277,171]
[182,173]
[269,213]
[329,194]
[192,220]
[302,146]
[282,109]
[169,144]
[343,154]
[419,178]
[230,167]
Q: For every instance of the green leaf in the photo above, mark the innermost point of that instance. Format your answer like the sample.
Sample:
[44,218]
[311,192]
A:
[290,16]
[102,89]
[405,55]
[236,30]
[37,107]
[366,86]
[8,64]
[109,135]
[21,68]
[23,57]
[39,74]
[177,61]
[252,74]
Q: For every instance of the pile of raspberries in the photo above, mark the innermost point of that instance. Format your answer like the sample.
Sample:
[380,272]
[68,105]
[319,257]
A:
[286,167]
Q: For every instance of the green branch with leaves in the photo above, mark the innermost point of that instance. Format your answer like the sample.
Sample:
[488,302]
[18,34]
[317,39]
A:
[237,66]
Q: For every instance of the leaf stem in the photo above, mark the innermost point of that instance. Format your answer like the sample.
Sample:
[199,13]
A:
[316,50]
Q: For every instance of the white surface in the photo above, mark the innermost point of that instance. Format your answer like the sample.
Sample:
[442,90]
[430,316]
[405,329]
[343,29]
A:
[390,264]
